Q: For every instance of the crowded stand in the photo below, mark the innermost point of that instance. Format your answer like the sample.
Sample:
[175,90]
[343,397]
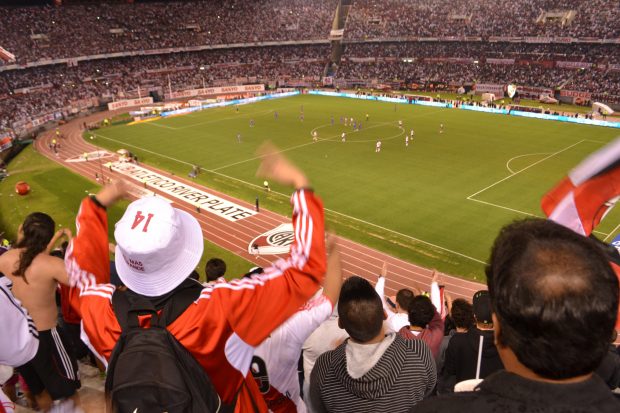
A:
[29,92]
[370,19]
[44,32]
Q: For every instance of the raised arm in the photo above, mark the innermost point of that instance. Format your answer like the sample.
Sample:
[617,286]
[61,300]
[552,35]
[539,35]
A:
[333,277]
[255,307]
[87,257]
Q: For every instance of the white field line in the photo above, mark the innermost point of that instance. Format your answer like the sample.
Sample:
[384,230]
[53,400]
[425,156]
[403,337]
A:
[158,125]
[503,207]
[611,233]
[142,149]
[524,169]
[521,156]
[520,212]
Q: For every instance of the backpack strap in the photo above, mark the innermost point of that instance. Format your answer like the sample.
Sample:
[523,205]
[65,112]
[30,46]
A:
[127,307]
[179,302]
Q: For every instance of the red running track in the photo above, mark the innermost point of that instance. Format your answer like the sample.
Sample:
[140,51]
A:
[357,259]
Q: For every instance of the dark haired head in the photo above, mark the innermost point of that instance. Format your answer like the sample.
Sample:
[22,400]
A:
[421,311]
[404,297]
[214,269]
[462,313]
[555,297]
[36,233]
[360,310]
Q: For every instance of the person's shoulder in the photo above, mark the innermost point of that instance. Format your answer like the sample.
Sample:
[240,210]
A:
[327,359]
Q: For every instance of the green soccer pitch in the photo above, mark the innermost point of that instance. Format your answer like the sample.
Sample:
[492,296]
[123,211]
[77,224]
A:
[438,202]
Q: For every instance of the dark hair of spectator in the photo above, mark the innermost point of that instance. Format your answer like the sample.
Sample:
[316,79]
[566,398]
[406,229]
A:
[421,311]
[404,297]
[38,230]
[555,296]
[214,269]
[360,310]
[462,313]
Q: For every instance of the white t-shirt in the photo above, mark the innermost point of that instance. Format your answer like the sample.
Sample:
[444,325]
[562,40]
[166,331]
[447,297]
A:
[274,365]
[19,340]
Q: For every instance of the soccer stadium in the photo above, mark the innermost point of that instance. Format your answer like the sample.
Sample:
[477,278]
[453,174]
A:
[309,205]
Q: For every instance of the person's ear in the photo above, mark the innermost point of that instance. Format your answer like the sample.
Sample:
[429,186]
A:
[384,315]
[496,331]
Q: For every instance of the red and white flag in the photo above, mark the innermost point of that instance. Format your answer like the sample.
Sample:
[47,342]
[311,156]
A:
[582,199]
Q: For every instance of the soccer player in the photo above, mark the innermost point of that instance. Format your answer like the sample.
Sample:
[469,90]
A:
[378,146]
[315,136]
[441,128]
[412,133]
[400,123]
[344,137]
[406,140]
[367,117]
[275,115]
[354,125]
[251,123]
[238,138]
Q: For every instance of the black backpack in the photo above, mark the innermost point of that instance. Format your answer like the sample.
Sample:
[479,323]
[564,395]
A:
[150,371]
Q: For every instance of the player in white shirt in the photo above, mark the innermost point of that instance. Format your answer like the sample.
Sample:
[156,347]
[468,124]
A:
[412,133]
[400,123]
[441,128]
[344,137]
[378,147]
[406,140]
[315,136]
[274,365]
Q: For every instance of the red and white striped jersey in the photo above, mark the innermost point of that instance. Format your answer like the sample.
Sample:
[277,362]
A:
[221,328]
[275,361]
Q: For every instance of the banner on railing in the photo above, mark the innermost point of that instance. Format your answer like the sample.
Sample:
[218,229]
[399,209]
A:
[494,61]
[119,104]
[216,91]
[573,65]
[496,89]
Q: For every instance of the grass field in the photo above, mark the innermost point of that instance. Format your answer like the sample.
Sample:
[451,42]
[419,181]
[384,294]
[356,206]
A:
[439,202]
[58,192]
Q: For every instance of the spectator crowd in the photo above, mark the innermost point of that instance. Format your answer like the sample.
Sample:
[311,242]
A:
[34,33]
[370,19]
[106,27]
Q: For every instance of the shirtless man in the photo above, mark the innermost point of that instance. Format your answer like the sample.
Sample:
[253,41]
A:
[53,373]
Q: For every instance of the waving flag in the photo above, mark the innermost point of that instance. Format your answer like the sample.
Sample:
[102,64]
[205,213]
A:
[583,198]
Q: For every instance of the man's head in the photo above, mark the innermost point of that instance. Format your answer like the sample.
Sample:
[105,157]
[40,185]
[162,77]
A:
[214,269]
[421,311]
[157,246]
[462,313]
[554,296]
[403,299]
[360,311]
[482,309]
[33,236]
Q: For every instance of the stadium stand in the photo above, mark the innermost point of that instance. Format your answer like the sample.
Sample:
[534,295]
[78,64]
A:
[128,48]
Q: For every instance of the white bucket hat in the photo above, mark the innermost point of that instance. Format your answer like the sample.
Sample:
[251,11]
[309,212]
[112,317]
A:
[157,246]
